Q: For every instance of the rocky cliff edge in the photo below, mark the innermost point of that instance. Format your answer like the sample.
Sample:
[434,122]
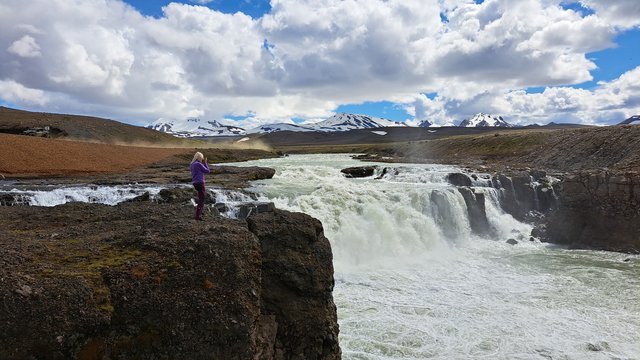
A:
[143,281]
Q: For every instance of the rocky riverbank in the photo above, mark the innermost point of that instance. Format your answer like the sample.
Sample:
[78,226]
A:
[142,280]
[583,210]
[597,210]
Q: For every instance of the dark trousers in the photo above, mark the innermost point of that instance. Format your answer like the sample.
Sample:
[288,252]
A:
[201,194]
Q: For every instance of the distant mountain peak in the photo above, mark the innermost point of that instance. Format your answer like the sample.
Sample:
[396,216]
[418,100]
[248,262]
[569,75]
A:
[270,128]
[346,122]
[425,123]
[484,120]
[195,127]
[635,119]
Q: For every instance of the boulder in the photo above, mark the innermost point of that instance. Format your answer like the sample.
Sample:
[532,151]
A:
[143,197]
[359,171]
[459,179]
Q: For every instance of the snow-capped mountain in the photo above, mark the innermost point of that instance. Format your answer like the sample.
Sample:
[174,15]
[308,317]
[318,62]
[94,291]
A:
[338,122]
[195,127]
[425,123]
[485,120]
[346,122]
[635,120]
[269,128]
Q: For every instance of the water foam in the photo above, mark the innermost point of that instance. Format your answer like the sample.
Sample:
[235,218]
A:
[109,195]
[413,281]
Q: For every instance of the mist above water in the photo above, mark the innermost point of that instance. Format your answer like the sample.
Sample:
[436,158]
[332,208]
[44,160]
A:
[414,282]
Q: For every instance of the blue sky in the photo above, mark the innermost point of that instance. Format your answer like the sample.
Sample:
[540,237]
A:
[253,8]
[405,60]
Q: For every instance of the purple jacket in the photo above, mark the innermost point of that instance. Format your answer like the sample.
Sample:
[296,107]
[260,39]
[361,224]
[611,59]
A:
[198,170]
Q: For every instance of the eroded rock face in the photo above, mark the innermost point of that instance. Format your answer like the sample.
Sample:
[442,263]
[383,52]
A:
[144,281]
[476,210]
[297,283]
[525,192]
[598,210]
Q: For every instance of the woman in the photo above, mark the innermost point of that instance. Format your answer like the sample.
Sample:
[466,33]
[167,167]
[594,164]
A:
[199,167]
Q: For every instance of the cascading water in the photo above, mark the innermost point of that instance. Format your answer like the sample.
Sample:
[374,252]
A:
[413,280]
[109,195]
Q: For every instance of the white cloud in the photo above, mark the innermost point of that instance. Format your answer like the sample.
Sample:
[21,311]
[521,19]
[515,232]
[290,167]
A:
[26,46]
[609,103]
[17,93]
[305,57]
[621,13]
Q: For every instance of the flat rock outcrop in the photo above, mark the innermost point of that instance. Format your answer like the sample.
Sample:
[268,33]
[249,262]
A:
[143,281]
[359,171]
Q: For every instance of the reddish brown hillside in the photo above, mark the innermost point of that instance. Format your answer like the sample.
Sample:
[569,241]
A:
[27,156]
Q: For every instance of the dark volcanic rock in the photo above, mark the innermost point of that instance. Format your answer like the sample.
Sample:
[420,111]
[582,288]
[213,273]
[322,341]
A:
[476,211]
[459,179]
[176,195]
[248,173]
[523,193]
[359,171]
[598,210]
[297,273]
[7,200]
[143,197]
[144,281]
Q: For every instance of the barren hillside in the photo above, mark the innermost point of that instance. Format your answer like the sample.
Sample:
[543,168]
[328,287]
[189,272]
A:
[86,128]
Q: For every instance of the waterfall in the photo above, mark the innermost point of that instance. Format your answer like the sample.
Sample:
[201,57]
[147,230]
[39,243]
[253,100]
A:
[396,217]
[416,278]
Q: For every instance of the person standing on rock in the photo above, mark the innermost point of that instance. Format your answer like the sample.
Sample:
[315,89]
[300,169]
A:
[199,167]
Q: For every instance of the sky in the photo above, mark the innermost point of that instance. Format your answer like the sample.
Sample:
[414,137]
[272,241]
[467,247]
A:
[253,62]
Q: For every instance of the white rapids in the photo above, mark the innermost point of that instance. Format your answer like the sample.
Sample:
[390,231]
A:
[413,282]
[109,195]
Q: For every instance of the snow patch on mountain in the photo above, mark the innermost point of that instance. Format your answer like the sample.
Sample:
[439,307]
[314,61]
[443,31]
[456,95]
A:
[381,133]
[195,127]
[269,128]
[346,122]
[485,120]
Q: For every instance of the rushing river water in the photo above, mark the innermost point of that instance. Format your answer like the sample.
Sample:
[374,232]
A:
[413,282]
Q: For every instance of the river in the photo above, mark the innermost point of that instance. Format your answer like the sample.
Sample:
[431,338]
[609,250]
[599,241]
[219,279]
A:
[414,282]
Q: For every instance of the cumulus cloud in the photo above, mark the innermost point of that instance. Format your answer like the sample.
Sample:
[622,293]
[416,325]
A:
[621,13]
[609,103]
[305,57]
[26,46]
[17,93]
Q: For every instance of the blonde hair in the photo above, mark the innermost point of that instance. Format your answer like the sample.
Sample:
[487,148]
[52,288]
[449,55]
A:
[197,157]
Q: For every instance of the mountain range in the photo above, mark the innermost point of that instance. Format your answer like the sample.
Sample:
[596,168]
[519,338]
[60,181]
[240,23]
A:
[195,127]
